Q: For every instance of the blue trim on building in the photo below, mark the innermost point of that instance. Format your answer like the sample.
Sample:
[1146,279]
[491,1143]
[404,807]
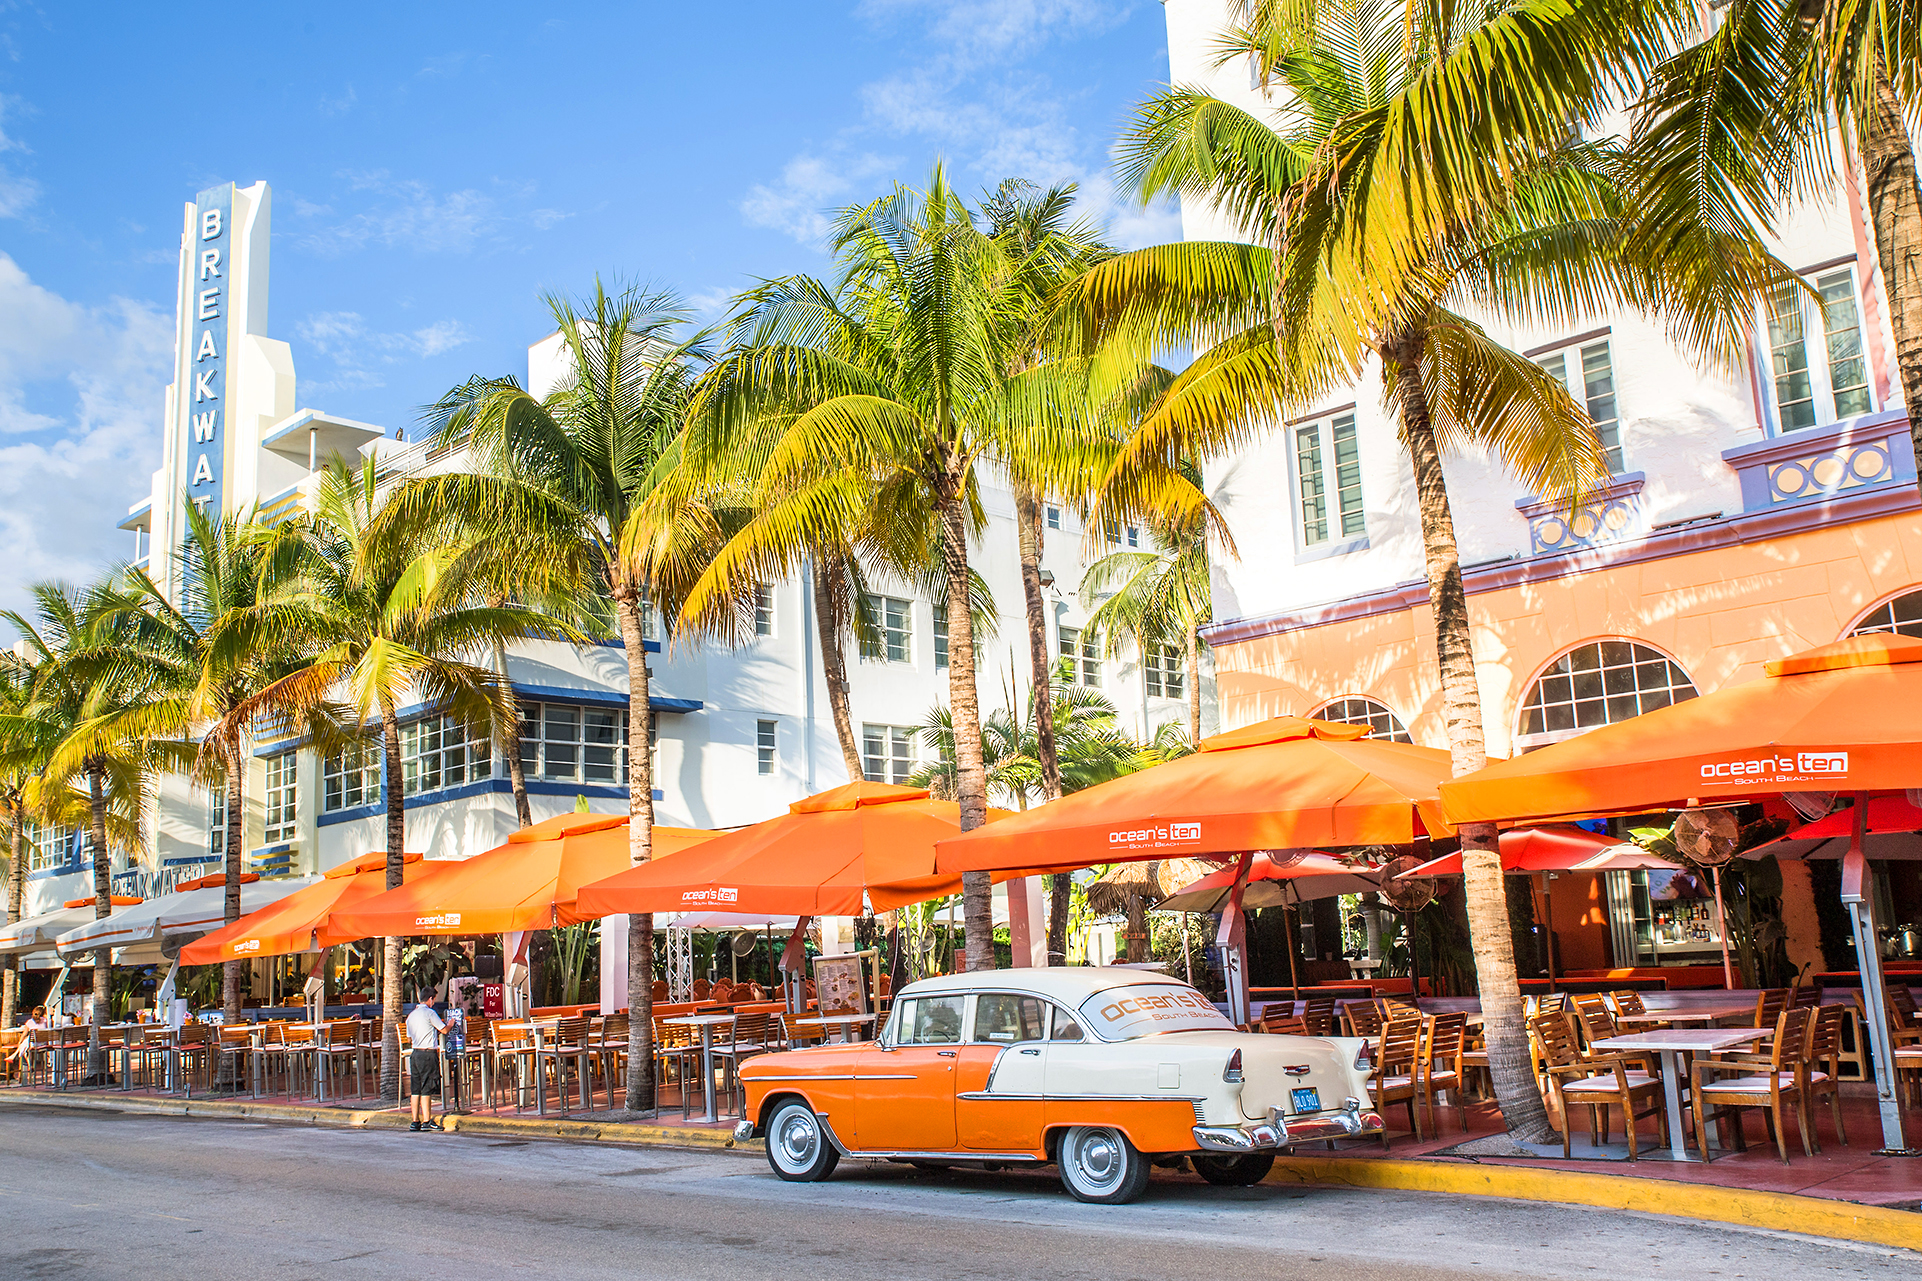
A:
[535,787]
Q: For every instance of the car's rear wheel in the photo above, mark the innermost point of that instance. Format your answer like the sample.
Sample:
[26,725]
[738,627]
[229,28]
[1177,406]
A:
[797,1146]
[1099,1165]
[1240,1171]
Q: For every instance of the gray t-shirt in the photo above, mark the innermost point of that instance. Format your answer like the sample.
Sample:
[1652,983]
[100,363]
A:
[424,1028]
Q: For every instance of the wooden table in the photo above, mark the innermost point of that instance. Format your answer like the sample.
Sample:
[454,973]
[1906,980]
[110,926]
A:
[707,1023]
[1705,1015]
[1672,1044]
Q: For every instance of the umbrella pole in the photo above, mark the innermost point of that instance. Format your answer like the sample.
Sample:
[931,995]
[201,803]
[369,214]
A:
[1294,975]
[1230,939]
[1858,898]
[1414,959]
[1548,919]
[1187,958]
[1721,929]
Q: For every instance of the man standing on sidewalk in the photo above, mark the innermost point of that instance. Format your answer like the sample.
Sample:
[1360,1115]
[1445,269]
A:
[424,1028]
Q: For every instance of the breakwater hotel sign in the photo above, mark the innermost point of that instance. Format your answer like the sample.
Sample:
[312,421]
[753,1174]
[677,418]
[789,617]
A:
[208,261]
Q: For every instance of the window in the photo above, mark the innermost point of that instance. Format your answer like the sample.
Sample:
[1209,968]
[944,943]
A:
[1903,616]
[932,1020]
[1596,394]
[568,743]
[443,751]
[1120,536]
[1054,518]
[1822,390]
[940,636]
[893,628]
[1000,1016]
[217,823]
[1084,662]
[1381,722]
[763,609]
[650,622]
[764,746]
[1065,1028]
[1162,666]
[1598,684]
[1316,446]
[887,753]
[282,798]
[350,779]
[50,845]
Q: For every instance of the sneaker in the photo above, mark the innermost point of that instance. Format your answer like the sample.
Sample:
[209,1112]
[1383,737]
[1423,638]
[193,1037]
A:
[430,1125]
[414,1126]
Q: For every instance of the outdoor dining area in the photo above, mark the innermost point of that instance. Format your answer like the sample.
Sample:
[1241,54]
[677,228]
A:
[1630,1069]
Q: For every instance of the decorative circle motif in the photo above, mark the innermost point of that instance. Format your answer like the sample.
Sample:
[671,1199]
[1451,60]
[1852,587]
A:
[1828,472]
[1789,479]
[1551,532]
[1583,525]
[1616,517]
[1869,463]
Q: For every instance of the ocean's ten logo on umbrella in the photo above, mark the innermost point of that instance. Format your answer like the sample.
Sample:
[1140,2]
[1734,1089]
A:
[719,894]
[248,945]
[1162,834]
[439,920]
[1774,769]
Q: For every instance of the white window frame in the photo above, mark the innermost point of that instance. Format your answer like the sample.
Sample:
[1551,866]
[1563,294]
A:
[1163,673]
[283,799]
[763,609]
[1054,518]
[1646,693]
[442,751]
[217,822]
[355,773]
[597,744]
[49,845]
[1359,709]
[766,746]
[887,753]
[1342,523]
[1607,425]
[894,621]
[1900,614]
[940,637]
[1814,340]
[1078,645]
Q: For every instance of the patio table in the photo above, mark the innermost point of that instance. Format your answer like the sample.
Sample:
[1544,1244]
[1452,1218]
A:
[1673,1043]
[1708,1015]
[707,1023]
[844,1023]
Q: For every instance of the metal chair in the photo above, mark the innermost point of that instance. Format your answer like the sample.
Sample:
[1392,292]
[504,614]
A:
[339,1047]
[748,1037]
[569,1041]
[192,1050]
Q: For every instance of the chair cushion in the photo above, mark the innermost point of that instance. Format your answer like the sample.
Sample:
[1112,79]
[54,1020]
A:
[1394,1082]
[1748,1084]
[1608,1084]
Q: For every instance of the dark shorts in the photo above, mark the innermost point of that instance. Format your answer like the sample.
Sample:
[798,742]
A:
[423,1069]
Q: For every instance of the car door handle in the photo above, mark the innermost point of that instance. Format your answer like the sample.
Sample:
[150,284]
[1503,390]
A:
[946,1054]
[1031,1051]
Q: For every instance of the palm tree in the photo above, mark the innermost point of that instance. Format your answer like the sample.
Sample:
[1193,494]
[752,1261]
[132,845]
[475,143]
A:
[1093,748]
[17,773]
[588,482]
[1157,600]
[1734,131]
[385,609]
[885,390]
[1424,162]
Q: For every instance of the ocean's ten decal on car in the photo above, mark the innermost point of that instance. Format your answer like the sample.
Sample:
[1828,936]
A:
[1161,834]
[1786,767]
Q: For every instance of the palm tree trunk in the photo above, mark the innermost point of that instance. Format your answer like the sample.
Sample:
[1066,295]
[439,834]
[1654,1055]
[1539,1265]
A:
[390,981]
[236,797]
[640,848]
[16,899]
[1027,515]
[830,616]
[1501,998]
[102,908]
[1889,176]
[971,774]
[1194,687]
[510,736]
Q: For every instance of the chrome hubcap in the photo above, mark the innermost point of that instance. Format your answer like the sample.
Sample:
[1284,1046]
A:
[797,1138]
[1098,1157]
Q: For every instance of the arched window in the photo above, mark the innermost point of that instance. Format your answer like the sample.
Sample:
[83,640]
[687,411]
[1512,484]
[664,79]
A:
[1598,684]
[1903,616]
[1366,711]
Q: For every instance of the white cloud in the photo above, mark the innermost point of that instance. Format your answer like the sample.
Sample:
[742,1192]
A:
[810,185]
[17,191]
[979,31]
[407,213]
[82,395]
[341,105]
[360,355]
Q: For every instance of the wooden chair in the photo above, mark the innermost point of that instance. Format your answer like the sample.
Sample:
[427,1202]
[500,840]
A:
[568,1043]
[1631,1003]
[701,989]
[1364,1020]
[192,1051]
[1821,1075]
[1597,1081]
[1769,1004]
[679,1045]
[1908,1074]
[1442,1066]
[1320,1016]
[237,1055]
[511,1047]
[751,1036]
[1397,1071]
[1395,1008]
[1597,1023]
[1278,1024]
[1902,1002]
[1772,1082]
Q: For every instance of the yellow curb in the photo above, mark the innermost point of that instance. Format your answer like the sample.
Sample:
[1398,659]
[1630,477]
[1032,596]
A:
[1779,1211]
[394,1118]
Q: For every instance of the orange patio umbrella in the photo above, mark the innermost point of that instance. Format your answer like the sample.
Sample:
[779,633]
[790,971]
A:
[1552,849]
[1286,783]
[1836,718]
[303,921]
[818,859]
[530,883]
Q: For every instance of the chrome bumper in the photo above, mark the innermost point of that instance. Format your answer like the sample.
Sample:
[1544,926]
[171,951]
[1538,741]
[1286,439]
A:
[743,1131]
[1279,1131]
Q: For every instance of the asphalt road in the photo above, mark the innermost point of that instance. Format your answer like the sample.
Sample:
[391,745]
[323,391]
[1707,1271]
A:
[87,1194]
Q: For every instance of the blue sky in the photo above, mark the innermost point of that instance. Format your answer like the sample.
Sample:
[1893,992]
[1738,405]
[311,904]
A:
[435,167]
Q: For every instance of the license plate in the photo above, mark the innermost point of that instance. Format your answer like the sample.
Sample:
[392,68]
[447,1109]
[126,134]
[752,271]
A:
[1305,1099]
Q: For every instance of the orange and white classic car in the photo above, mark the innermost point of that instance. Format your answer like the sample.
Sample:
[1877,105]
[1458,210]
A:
[1104,1071]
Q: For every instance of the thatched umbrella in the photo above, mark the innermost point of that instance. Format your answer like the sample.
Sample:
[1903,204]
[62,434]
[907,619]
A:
[1130,887]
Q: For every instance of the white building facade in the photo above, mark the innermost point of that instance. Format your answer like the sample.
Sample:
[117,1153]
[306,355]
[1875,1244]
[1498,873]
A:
[740,732]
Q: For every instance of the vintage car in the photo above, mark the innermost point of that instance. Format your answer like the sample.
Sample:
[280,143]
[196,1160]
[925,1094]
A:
[1104,1071]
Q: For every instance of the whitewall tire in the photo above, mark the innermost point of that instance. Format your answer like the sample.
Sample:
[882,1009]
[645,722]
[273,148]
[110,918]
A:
[1100,1166]
[797,1144]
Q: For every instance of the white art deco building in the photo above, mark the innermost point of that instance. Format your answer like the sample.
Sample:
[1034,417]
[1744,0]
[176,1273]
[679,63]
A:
[741,732]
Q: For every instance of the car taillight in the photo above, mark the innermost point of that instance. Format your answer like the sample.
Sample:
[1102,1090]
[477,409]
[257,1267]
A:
[1365,1058]
[1232,1072]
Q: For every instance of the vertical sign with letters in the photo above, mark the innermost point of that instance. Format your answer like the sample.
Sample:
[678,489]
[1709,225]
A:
[209,304]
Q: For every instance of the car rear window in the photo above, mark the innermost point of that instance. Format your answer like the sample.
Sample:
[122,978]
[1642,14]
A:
[1143,1009]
